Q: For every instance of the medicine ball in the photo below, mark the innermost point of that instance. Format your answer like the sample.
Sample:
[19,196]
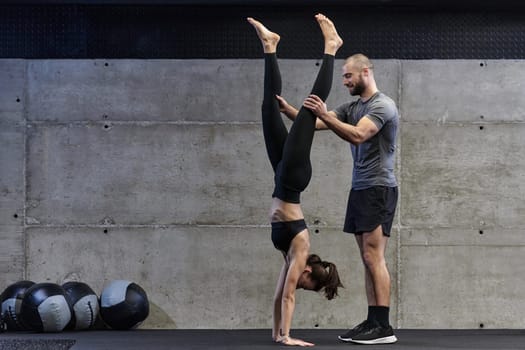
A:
[123,305]
[44,308]
[84,303]
[11,300]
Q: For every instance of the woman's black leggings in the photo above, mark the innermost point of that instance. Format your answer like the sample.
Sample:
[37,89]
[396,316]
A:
[289,153]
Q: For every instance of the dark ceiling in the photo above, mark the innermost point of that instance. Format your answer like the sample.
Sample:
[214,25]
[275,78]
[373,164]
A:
[209,29]
[451,4]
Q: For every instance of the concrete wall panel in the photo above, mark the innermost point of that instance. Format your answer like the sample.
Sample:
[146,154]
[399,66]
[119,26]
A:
[461,286]
[11,174]
[65,90]
[12,90]
[12,202]
[463,90]
[461,176]
[149,174]
[489,237]
[12,254]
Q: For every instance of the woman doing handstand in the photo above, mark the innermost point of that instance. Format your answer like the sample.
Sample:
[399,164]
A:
[289,154]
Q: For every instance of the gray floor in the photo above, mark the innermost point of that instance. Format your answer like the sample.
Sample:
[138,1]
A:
[256,339]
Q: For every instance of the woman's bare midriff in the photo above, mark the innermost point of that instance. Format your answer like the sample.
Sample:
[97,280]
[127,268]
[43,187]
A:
[284,211]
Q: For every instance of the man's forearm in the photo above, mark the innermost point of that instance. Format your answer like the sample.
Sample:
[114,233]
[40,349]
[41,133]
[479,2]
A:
[290,112]
[345,131]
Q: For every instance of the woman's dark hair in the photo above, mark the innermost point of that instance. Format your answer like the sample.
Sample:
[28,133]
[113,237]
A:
[325,276]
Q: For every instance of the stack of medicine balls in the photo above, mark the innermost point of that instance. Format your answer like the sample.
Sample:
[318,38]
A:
[50,307]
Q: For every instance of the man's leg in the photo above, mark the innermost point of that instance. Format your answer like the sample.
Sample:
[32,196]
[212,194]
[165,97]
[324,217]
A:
[377,277]
[369,285]
[377,283]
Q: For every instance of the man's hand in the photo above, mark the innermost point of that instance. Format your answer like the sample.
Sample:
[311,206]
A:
[287,109]
[283,104]
[316,105]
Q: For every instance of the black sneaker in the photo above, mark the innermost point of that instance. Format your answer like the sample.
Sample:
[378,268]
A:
[355,331]
[375,335]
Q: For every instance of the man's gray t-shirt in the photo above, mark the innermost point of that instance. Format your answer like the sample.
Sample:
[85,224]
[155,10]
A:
[374,158]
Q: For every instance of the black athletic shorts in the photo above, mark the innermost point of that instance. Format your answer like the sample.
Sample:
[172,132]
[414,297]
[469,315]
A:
[370,208]
[283,233]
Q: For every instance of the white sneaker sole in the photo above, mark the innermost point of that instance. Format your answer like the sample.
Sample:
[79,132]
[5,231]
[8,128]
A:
[386,340]
[345,339]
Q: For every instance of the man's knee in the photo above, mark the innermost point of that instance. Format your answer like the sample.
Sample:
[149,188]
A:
[373,252]
[372,258]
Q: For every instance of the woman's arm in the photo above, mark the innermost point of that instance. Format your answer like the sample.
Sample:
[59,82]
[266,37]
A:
[298,255]
[277,302]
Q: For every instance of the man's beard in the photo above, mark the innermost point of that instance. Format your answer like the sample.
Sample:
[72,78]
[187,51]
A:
[358,88]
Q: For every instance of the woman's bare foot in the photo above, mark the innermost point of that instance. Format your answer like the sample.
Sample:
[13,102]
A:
[269,39]
[332,40]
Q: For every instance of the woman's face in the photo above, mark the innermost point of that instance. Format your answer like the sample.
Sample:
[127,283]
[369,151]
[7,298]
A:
[305,281]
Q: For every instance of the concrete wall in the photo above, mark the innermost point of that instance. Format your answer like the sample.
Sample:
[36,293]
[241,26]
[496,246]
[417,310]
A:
[155,171]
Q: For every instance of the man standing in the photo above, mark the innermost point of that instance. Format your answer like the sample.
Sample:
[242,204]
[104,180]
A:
[370,125]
